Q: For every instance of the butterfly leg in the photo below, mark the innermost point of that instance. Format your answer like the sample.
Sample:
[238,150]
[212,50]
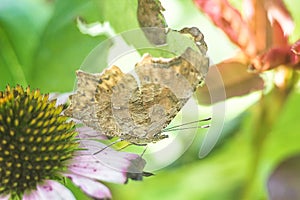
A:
[144,151]
[111,144]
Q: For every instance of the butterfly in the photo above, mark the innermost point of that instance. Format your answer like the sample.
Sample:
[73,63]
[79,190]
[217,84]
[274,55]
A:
[137,109]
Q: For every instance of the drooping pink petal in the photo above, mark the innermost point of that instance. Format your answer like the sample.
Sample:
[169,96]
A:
[248,9]
[33,195]
[272,58]
[90,187]
[256,18]
[278,11]
[269,21]
[230,21]
[86,132]
[93,168]
[279,39]
[4,197]
[107,165]
[51,190]
[296,48]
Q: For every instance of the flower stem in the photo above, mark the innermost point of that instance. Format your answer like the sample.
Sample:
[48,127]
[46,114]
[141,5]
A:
[267,112]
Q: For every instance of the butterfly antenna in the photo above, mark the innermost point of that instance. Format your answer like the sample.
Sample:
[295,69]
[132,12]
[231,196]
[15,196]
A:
[144,151]
[193,122]
[179,129]
[111,144]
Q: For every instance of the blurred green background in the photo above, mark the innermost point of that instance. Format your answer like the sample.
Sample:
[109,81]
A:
[41,46]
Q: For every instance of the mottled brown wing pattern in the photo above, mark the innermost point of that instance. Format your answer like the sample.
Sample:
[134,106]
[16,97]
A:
[114,104]
[152,21]
[103,95]
[168,83]
[83,102]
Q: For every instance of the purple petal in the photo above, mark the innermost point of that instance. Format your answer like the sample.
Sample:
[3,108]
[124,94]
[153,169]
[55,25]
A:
[53,190]
[4,197]
[86,132]
[90,187]
[33,195]
[97,169]
[108,165]
[284,181]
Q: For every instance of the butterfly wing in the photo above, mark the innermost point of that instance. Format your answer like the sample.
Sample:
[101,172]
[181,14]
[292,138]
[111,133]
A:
[165,87]
[92,103]
[114,104]
[83,102]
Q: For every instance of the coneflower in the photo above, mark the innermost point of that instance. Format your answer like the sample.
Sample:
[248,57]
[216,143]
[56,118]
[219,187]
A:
[39,148]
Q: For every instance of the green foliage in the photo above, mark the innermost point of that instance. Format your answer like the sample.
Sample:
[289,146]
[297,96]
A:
[40,45]
[120,14]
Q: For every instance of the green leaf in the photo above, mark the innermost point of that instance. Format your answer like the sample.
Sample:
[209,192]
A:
[281,141]
[218,176]
[40,43]
[19,33]
[122,15]
[62,47]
